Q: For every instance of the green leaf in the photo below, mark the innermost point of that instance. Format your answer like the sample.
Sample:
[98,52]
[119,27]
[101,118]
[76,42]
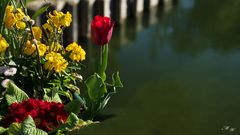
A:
[96,87]
[72,120]
[15,94]
[29,128]
[14,128]
[53,98]
[40,11]
[116,80]
[73,106]
[3,130]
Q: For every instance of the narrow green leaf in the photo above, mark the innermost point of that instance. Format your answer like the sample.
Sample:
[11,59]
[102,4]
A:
[40,11]
[116,80]
[96,87]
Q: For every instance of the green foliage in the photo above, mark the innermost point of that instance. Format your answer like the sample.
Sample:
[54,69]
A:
[73,106]
[14,129]
[3,4]
[72,123]
[28,127]
[40,11]
[95,87]
[15,94]
[3,130]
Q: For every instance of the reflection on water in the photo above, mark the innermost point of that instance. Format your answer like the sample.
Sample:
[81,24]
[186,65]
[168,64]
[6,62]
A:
[181,74]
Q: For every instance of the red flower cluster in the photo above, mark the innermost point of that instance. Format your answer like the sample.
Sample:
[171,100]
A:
[46,115]
[101,30]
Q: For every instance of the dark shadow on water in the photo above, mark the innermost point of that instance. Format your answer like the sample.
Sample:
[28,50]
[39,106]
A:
[104,117]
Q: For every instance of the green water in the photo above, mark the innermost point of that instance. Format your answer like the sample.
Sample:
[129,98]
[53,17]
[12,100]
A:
[181,74]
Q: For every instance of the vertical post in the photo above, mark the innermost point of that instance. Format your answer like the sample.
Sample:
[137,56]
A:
[98,7]
[68,32]
[132,8]
[83,19]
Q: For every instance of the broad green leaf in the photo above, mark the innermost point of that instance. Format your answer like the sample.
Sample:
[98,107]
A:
[53,98]
[72,120]
[40,11]
[96,87]
[116,80]
[10,99]
[73,106]
[3,130]
[29,128]
[14,128]
[15,94]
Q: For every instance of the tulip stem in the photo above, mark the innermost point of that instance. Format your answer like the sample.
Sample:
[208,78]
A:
[101,56]
[103,61]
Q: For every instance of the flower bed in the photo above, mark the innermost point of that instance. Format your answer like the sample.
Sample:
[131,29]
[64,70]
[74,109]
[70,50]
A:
[41,78]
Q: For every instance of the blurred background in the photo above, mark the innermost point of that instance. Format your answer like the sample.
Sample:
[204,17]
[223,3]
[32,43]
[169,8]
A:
[179,61]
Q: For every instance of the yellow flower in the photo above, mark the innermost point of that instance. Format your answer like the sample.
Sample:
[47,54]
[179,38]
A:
[66,20]
[19,14]
[14,18]
[54,47]
[10,19]
[20,25]
[29,48]
[37,32]
[48,27]
[41,49]
[59,19]
[3,44]
[77,53]
[55,62]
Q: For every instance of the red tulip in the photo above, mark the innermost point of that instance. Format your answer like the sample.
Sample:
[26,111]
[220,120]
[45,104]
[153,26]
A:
[101,29]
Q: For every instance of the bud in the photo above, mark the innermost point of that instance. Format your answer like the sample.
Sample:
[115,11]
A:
[26,18]
[32,22]
[35,41]
[27,30]
[10,71]
[5,83]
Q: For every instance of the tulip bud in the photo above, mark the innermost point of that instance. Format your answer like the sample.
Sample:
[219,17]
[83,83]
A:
[101,30]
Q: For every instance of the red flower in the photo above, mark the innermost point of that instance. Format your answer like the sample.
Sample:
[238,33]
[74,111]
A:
[101,30]
[46,115]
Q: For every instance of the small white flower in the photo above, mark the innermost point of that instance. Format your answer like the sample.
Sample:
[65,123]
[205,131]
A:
[3,69]
[26,18]
[10,72]
[35,41]
[6,82]
[27,30]
[32,22]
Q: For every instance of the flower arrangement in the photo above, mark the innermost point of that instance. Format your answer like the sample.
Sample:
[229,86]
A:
[41,79]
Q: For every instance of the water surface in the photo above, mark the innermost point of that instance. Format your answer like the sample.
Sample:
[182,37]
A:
[181,74]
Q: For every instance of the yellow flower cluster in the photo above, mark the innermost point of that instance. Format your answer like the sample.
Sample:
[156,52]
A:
[55,62]
[3,44]
[58,20]
[31,48]
[54,47]
[14,18]
[37,32]
[77,53]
